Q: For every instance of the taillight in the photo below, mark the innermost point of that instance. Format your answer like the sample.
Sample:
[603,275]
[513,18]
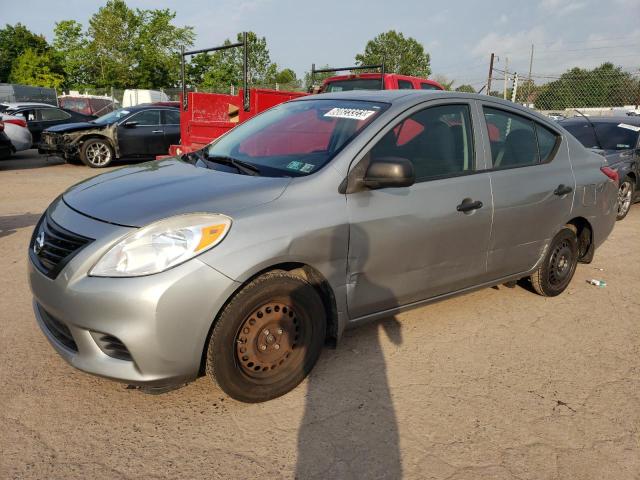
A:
[17,121]
[611,173]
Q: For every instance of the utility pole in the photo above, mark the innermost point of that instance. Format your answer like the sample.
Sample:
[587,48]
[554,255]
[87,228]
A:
[529,78]
[490,74]
[506,77]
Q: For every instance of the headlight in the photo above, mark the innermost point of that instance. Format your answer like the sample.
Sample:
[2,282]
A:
[162,245]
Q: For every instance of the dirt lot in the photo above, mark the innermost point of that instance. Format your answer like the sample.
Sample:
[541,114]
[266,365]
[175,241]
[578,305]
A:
[498,384]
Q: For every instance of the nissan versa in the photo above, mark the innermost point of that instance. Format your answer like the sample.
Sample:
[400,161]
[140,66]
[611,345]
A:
[241,260]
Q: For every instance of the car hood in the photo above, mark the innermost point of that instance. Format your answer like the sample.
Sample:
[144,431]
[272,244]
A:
[140,194]
[73,127]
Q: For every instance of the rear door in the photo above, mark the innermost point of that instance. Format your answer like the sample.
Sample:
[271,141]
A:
[171,127]
[533,187]
[144,138]
[413,243]
[45,118]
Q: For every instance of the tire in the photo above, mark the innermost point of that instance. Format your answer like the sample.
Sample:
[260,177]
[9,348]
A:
[626,192]
[267,339]
[96,153]
[556,271]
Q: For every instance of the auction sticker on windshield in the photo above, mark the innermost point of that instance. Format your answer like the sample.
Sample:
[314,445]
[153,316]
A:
[350,113]
[629,127]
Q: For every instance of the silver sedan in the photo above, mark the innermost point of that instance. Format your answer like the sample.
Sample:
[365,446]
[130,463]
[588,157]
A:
[241,260]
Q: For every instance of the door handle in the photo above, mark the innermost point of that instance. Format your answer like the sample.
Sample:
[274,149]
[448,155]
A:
[562,190]
[469,205]
[157,131]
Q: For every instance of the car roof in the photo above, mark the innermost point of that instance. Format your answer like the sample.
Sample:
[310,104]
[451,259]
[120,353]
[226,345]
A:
[149,106]
[13,105]
[617,119]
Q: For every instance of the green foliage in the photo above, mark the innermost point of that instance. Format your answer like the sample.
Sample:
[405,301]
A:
[70,44]
[14,41]
[220,70]
[466,89]
[444,81]
[604,86]
[401,55]
[35,68]
[135,48]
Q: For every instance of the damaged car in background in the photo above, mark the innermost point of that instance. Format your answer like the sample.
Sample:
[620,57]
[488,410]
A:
[137,132]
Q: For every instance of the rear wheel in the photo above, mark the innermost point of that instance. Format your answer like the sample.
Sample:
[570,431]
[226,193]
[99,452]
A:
[556,271]
[268,338]
[96,153]
[626,192]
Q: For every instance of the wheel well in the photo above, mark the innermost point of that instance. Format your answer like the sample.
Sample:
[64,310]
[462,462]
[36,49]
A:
[307,273]
[632,176]
[91,136]
[584,232]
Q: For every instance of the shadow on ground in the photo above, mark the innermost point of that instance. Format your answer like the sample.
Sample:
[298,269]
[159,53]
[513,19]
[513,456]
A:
[10,223]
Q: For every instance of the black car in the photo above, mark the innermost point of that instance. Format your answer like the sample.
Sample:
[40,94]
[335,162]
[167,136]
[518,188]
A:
[618,139]
[143,131]
[40,117]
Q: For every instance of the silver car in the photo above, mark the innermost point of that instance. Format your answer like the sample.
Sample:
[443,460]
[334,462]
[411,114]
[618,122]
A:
[244,259]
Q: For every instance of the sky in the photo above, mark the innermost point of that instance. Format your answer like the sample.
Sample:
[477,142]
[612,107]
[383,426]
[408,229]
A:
[459,36]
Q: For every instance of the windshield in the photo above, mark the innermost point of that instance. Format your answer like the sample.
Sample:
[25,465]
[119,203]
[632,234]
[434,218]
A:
[353,84]
[112,117]
[612,136]
[296,138]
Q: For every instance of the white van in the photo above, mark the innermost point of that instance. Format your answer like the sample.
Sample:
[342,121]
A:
[137,96]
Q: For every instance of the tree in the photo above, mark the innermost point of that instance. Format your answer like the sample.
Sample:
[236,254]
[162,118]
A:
[604,86]
[135,47]
[34,68]
[401,55]
[14,41]
[465,88]
[70,45]
[220,70]
[444,81]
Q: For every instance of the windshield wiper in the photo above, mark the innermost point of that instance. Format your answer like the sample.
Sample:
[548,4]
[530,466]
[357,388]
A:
[242,167]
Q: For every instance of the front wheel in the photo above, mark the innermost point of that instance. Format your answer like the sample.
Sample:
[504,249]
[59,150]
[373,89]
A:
[268,338]
[556,271]
[96,153]
[626,191]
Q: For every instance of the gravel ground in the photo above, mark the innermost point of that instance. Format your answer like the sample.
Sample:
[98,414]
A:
[497,384]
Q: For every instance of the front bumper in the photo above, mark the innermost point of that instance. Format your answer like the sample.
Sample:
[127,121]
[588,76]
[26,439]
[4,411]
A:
[161,320]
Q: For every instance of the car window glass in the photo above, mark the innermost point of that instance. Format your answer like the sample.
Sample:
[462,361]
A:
[512,139]
[147,117]
[52,114]
[437,140]
[29,115]
[428,86]
[171,117]
[546,142]
[405,85]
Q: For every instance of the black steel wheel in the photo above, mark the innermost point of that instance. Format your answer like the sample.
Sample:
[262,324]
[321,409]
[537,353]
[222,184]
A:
[268,338]
[556,271]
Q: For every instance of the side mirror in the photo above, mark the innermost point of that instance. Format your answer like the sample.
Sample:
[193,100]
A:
[389,172]
[131,124]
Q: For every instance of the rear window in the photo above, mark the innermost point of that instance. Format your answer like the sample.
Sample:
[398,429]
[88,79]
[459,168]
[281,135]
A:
[354,84]
[297,138]
[608,135]
[428,86]
[405,85]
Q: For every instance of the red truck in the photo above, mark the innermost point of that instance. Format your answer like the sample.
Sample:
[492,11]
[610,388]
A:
[206,116]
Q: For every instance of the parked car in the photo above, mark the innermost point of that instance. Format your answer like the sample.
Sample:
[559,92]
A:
[378,81]
[39,117]
[91,105]
[556,116]
[16,130]
[319,213]
[618,139]
[6,147]
[137,132]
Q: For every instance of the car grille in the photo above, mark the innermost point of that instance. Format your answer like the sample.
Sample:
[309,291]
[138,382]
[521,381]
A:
[52,247]
[58,329]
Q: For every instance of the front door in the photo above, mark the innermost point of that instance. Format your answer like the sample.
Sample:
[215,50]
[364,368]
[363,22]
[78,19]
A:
[171,126]
[533,187]
[413,243]
[141,134]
